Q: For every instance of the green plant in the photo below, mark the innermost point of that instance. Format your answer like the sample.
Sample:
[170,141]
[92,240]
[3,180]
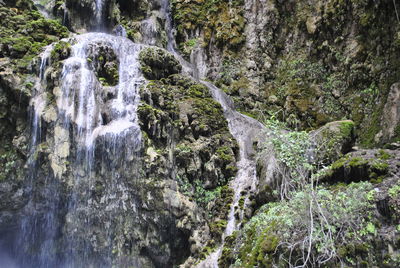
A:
[311,228]
[290,149]
[196,191]
[394,191]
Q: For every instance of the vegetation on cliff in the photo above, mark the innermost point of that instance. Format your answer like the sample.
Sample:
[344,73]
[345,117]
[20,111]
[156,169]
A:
[321,75]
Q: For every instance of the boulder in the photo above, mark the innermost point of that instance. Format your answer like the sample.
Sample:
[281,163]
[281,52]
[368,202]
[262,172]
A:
[332,141]
[158,63]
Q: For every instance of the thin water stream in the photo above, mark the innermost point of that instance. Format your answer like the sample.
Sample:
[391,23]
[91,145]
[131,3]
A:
[244,129]
[86,120]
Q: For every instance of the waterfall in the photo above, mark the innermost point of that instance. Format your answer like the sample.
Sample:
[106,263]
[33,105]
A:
[44,7]
[188,68]
[96,126]
[112,121]
[243,128]
[40,223]
[81,194]
[99,13]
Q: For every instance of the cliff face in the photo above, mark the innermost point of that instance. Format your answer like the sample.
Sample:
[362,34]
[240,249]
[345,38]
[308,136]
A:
[308,62]
[112,153]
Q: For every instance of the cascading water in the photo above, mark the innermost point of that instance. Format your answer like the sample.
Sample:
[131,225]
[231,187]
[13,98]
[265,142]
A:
[111,122]
[188,68]
[99,12]
[243,128]
[43,7]
[96,126]
[96,141]
[40,222]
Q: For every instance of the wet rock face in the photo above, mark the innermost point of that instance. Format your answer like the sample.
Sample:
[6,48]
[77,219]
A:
[300,59]
[158,63]
[105,63]
[88,15]
[391,116]
[142,19]
[188,142]
[23,33]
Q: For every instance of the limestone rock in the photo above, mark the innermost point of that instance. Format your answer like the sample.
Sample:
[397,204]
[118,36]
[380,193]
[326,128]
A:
[158,63]
[391,115]
[332,141]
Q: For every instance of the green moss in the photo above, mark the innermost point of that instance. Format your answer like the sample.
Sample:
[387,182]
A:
[380,167]
[384,155]
[24,35]
[225,154]
[346,128]
[356,168]
[223,21]
[157,63]
[198,91]
[61,51]
[394,191]
[217,227]
[357,162]
[258,250]
[367,134]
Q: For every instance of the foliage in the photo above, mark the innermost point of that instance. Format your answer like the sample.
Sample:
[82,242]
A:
[219,19]
[196,191]
[312,227]
[394,191]
[291,149]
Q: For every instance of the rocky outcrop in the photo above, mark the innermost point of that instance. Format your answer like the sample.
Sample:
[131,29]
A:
[188,141]
[390,116]
[24,32]
[301,60]
[332,141]
[158,63]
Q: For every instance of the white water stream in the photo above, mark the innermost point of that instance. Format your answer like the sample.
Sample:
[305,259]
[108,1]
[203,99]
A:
[244,129]
[81,90]
[81,104]
[87,112]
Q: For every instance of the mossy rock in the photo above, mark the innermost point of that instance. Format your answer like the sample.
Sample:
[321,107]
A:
[24,32]
[363,165]
[333,140]
[158,63]
[61,51]
[103,60]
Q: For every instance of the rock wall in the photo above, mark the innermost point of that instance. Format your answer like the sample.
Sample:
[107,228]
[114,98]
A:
[308,62]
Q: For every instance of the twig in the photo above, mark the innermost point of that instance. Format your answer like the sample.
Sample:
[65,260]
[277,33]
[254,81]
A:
[395,9]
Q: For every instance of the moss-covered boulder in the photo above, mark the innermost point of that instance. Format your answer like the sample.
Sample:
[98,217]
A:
[332,141]
[103,60]
[363,165]
[187,140]
[158,63]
